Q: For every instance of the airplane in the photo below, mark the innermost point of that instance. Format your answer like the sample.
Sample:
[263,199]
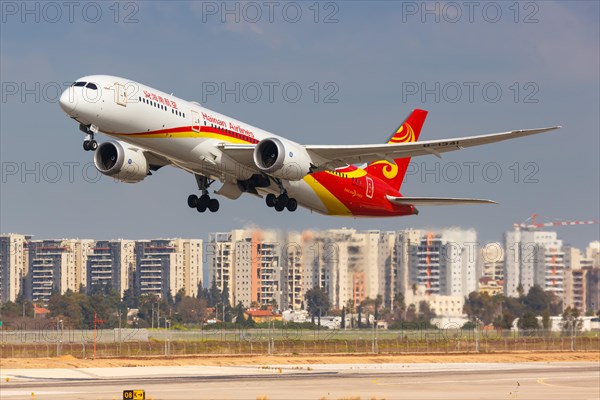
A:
[151,129]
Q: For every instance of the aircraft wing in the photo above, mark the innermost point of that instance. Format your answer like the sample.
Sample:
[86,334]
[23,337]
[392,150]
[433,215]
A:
[436,201]
[242,153]
[155,161]
[334,156]
[341,155]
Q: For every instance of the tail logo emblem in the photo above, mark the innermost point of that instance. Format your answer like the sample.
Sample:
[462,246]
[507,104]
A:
[404,134]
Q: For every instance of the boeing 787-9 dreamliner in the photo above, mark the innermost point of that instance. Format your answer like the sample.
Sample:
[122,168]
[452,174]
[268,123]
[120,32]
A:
[153,129]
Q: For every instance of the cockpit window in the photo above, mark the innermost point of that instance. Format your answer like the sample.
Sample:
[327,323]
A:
[91,86]
[79,84]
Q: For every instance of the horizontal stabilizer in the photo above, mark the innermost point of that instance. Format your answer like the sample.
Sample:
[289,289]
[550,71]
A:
[436,201]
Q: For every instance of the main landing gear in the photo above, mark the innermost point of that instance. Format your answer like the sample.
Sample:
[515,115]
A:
[282,201]
[203,202]
[89,143]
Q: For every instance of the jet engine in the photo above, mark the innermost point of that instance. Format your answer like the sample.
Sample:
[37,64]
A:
[121,161]
[282,158]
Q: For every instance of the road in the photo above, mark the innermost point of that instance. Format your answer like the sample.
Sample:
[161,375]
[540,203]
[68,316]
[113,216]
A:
[321,381]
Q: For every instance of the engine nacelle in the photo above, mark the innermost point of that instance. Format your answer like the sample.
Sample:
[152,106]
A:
[121,161]
[282,158]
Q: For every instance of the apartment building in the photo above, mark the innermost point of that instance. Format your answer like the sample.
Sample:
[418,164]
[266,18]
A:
[57,265]
[14,266]
[111,263]
[166,266]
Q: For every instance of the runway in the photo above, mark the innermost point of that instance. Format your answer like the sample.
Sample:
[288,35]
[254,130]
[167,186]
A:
[321,381]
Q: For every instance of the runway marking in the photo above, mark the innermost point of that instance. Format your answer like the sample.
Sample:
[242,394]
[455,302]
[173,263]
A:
[483,380]
[542,381]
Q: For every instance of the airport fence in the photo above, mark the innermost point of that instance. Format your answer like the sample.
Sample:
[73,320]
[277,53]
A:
[162,342]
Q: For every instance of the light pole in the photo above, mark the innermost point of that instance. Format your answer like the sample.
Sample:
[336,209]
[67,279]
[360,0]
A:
[119,312]
[476,335]
[167,326]
[572,319]
[59,325]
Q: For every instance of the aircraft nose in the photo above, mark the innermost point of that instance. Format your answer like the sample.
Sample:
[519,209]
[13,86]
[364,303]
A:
[68,100]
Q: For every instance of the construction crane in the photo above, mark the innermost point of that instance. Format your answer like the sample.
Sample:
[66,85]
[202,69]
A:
[533,224]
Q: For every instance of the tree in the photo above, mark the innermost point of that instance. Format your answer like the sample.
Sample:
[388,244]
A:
[411,313]
[546,319]
[317,303]
[399,307]
[213,293]
[239,314]
[513,307]
[350,305]
[528,321]
[504,321]
[426,314]
[202,292]
[225,295]
[343,323]
[179,296]
[377,303]
[537,300]
[70,307]
[130,299]
[483,306]
[520,290]
[191,310]
[359,317]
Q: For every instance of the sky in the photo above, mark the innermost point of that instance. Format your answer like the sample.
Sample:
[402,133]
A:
[340,73]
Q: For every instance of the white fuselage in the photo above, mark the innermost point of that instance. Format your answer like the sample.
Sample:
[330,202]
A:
[184,132]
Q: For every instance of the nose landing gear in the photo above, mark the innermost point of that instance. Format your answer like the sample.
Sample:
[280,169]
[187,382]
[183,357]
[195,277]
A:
[89,143]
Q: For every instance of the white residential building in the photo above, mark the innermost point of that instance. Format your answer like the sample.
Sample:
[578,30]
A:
[166,266]
[111,263]
[445,262]
[58,265]
[14,266]
[533,258]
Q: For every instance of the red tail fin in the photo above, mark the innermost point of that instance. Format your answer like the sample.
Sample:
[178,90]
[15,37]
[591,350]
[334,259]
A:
[407,132]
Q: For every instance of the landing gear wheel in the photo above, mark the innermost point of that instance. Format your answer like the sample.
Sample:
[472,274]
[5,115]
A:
[192,201]
[203,201]
[200,207]
[86,145]
[292,204]
[279,207]
[213,205]
[271,200]
[93,145]
[282,199]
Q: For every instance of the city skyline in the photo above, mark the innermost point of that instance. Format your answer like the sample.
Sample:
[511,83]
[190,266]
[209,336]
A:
[346,98]
[268,267]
